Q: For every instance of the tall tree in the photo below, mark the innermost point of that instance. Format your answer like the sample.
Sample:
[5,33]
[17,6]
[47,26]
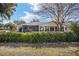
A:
[10,26]
[6,10]
[19,22]
[59,12]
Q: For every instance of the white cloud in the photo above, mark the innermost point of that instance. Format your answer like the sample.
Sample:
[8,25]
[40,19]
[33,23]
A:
[35,7]
[7,21]
[28,17]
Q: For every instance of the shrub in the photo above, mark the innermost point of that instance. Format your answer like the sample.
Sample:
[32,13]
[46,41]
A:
[75,28]
[37,37]
[71,37]
[58,37]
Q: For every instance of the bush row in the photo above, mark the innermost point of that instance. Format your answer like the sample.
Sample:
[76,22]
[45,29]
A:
[37,37]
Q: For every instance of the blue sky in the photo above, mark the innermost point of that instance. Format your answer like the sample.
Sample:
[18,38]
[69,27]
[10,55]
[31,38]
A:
[23,13]
[20,10]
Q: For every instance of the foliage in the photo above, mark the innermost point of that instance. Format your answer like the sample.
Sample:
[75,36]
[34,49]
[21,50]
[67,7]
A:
[75,28]
[37,37]
[6,10]
[10,26]
[70,36]
[18,22]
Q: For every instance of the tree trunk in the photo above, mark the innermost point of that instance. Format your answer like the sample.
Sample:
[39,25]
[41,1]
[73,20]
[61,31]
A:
[60,27]
[57,27]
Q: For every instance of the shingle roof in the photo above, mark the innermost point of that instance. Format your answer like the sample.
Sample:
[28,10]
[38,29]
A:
[42,23]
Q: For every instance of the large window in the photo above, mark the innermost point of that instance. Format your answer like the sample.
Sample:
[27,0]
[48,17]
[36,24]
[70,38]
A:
[42,28]
[51,28]
[46,28]
[34,28]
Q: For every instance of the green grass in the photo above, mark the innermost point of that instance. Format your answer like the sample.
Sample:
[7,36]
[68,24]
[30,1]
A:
[40,51]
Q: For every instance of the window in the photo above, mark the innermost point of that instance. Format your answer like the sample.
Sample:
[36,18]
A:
[51,28]
[56,29]
[46,28]
[41,28]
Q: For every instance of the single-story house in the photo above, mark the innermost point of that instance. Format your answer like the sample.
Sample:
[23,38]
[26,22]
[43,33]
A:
[40,26]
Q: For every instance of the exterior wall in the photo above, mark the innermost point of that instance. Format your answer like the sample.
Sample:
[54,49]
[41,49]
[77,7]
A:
[41,27]
[27,28]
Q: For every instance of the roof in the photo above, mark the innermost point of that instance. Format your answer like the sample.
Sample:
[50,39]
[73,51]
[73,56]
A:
[41,23]
[33,23]
[48,24]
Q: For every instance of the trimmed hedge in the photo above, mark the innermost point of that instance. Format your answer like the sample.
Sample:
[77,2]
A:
[37,37]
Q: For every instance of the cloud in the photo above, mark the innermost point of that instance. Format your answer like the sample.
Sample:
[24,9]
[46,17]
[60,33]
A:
[7,21]
[35,7]
[28,17]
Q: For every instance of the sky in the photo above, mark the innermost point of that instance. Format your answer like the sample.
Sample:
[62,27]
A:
[23,12]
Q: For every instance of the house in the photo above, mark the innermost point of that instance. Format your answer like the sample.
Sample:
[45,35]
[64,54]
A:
[40,26]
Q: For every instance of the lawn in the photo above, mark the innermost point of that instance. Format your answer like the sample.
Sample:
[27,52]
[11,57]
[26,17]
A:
[39,51]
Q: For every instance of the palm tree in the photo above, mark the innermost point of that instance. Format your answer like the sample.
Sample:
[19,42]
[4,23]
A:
[6,10]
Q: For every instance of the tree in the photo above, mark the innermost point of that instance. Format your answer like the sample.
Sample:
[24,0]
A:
[19,22]
[6,10]
[35,20]
[10,26]
[1,26]
[74,27]
[59,12]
